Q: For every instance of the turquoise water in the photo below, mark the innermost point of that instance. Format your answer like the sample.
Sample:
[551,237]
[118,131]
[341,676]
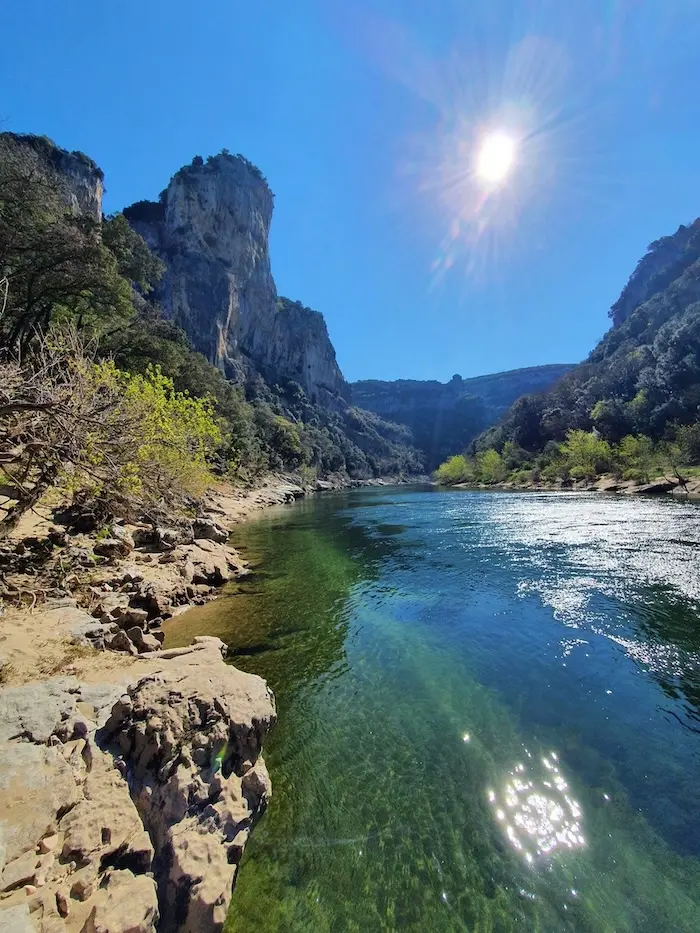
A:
[489,713]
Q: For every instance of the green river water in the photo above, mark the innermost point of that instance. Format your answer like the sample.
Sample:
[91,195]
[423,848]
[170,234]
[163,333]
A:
[489,712]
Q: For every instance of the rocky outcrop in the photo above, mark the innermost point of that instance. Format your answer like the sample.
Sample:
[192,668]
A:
[71,834]
[211,229]
[127,805]
[82,178]
[445,417]
[665,260]
[190,737]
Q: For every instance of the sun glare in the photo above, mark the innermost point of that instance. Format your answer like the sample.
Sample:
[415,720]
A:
[495,157]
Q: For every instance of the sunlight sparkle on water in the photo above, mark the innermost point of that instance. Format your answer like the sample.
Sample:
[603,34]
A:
[538,816]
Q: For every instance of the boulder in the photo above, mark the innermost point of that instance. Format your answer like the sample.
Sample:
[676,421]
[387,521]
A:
[144,642]
[154,599]
[190,735]
[16,920]
[208,529]
[128,618]
[104,826]
[206,562]
[658,487]
[127,575]
[168,538]
[111,548]
[109,603]
[19,871]
[33,711]
[36,784]
[68,821]
[124,904]
[120,641]
[121,533]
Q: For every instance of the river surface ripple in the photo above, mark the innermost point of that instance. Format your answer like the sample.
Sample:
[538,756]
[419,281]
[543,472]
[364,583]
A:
[489,712]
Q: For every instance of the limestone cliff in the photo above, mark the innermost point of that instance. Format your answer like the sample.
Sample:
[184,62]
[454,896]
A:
[211,228]
[445,417]
[82,178]
[665,260]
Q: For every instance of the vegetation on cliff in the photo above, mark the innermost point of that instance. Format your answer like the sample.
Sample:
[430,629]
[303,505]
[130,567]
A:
[446,417]
[583,455]
[642,381]
[102,396]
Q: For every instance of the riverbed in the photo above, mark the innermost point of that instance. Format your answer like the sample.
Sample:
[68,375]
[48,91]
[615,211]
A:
[489,712]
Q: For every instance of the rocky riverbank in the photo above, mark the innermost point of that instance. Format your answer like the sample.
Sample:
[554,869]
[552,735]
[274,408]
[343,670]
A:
[130,776]
[662,485]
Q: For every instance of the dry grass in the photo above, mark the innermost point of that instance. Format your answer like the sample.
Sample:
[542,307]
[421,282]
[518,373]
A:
[62,662]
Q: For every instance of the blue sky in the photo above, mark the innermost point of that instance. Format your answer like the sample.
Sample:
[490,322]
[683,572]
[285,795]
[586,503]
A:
[364,117]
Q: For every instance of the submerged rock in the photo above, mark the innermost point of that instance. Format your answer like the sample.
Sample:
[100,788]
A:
[210,530]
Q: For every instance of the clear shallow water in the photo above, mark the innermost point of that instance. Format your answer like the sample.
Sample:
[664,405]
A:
[489,713]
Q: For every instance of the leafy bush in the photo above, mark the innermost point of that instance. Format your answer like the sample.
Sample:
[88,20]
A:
[638,458]
[586,454]
[490,467]
[456,469]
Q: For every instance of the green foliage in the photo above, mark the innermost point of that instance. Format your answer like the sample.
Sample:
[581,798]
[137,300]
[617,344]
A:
[146,212]
[610,418]
[583,455]
[135,261]
[487,467]
[638,457]
[454,470]
[177,434]
[490,467]
[687,437]
[586,454]
[53,260]
[643,377]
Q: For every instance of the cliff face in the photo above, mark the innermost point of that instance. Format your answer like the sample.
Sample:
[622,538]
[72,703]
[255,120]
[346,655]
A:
[665,260]
[81,177]
[445,417]
[211,228]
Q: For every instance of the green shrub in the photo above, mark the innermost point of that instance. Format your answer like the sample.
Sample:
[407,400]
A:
[456,469]
[490,467]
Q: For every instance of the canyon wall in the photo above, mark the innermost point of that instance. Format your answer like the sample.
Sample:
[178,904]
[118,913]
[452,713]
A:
[211,228]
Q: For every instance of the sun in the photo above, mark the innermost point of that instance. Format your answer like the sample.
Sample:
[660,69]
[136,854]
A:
[495,157]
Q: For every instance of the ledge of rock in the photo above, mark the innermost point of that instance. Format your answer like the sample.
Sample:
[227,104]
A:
[126,806]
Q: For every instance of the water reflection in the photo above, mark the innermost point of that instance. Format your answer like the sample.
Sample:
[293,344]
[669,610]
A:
[536,811]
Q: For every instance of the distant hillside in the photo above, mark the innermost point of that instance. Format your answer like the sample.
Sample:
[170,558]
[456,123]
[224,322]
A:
[644,375]
[445,417]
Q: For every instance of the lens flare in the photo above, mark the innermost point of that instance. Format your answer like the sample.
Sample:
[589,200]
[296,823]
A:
[495,157]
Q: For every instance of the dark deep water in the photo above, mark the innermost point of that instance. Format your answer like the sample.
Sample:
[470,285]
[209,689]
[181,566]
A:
[489,713]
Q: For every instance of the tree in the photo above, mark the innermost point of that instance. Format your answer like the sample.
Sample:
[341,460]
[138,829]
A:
[69,422]
[586,454]
[53,260]
[610,418]
[489,467]
[456,469]
[688,440]
[134,259]
[638,457]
